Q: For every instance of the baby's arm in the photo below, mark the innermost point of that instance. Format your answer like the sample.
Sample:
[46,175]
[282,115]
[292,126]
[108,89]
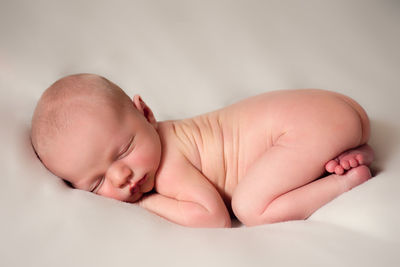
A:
[186,197]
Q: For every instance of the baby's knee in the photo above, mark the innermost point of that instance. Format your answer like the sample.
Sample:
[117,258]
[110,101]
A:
[242,211]
[246,212]
[250,217]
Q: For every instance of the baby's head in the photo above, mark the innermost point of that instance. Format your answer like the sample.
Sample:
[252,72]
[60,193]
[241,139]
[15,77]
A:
[87,131]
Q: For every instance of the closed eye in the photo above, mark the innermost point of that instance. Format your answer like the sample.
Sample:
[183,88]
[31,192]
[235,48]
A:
[98,185]
[126,148]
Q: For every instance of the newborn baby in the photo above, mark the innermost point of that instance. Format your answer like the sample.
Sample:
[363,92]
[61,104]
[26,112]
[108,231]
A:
[274,157]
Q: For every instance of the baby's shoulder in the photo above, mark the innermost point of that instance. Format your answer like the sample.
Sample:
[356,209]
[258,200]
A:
[180,139]
[175,172]
[173,159]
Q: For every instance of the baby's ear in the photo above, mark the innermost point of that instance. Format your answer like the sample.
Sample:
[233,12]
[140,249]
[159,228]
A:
[141,106]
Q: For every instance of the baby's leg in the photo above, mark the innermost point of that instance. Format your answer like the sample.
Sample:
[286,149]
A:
[290,191]
[300,203]
[282,184]
[352,158]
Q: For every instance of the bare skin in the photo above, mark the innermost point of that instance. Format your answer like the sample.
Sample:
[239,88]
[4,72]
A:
[270,179]
[352,158]
[258,159]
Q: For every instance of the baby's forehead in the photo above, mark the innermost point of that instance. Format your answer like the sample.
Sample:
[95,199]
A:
[72,100]
[94,116]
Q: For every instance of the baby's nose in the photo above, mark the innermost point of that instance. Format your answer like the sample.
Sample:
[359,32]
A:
[122,176]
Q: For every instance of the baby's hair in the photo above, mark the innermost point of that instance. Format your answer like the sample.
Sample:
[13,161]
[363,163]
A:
[64,100]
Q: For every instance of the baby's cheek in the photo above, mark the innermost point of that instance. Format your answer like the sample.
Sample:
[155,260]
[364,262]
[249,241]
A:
[108,190]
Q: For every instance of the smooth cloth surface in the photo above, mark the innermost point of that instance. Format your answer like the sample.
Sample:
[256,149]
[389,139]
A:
[186,58]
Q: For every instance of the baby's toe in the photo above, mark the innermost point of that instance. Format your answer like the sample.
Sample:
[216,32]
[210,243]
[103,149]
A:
[353,163]
[331,165]
[360,159]
[339,170]
[345,164]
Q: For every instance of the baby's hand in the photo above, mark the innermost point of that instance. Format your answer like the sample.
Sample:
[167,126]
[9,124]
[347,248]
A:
[187,213]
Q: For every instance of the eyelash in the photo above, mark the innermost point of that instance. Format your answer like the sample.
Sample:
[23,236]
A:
[126,149]
[99,184]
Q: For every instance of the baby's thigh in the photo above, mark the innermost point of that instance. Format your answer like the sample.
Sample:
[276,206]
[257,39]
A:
[297,158]
[291,163]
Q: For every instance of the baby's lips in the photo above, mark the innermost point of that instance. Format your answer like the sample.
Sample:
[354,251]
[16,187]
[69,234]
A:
[134,189]
[142,181]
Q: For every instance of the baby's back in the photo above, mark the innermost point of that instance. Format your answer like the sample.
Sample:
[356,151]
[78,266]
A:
[224,143]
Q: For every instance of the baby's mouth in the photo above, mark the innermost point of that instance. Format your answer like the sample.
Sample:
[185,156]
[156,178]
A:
[135,188]
[142,181]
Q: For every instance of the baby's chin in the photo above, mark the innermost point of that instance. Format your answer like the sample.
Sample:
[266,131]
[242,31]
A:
[134,198]
[145,188]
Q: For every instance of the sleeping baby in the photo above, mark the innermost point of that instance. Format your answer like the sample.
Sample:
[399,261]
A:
[270,158]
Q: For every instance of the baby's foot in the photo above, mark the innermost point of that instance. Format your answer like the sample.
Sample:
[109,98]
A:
[352,158]
[355,177]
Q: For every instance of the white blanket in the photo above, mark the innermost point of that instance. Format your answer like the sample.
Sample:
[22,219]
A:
[185,58]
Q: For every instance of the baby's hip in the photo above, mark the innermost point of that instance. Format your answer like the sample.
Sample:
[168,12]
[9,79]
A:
[313,108]
[305,119]
[311,120]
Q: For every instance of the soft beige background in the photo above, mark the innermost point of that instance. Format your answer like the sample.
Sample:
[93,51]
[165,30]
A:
[185,58]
